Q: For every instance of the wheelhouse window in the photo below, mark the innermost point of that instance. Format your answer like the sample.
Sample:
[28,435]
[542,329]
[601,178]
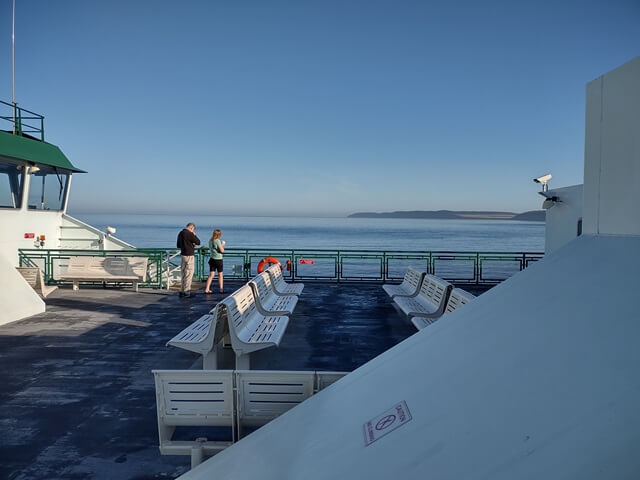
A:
[47,189]
[11,179]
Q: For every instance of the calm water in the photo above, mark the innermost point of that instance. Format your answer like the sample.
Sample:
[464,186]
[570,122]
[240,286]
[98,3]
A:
[331,233]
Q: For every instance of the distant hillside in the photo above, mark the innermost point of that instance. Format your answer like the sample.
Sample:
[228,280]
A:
[531,216]
[534,215]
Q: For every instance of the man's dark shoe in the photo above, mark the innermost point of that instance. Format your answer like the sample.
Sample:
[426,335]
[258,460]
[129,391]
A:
[182,294]
[189,294]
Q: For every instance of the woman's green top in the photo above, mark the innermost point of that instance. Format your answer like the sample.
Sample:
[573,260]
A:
[214,246]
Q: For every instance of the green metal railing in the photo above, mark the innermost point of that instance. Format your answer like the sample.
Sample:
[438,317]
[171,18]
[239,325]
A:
[478,268]
[23,121]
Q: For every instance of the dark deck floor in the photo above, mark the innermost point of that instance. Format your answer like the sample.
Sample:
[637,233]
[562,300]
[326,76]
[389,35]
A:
[77,398]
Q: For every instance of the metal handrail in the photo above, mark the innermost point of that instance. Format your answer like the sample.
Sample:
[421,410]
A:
[17,119]
[479,268]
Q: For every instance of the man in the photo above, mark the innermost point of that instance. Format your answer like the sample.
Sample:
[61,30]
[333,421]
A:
[187,241]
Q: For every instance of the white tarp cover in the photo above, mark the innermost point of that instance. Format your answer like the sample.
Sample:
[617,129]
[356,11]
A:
[537,378]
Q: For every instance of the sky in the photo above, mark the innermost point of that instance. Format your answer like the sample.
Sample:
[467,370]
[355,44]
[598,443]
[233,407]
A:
[314,108]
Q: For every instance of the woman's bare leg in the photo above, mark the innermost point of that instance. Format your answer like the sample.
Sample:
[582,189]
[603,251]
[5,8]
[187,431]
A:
[221,281]
[209,280]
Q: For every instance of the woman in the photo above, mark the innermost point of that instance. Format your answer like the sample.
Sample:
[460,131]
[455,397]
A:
[216,247]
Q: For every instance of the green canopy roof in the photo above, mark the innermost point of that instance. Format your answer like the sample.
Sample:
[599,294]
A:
[34,151]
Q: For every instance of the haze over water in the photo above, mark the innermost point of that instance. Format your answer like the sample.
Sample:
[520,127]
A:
[330,233]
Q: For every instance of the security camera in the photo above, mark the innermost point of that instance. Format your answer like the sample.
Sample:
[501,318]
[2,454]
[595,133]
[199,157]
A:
[543,180]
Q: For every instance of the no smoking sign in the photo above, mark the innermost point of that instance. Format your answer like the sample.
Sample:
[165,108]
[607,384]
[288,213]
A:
[386,422]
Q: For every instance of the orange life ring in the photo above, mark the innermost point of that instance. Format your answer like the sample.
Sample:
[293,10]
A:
[288,265]
[266,261]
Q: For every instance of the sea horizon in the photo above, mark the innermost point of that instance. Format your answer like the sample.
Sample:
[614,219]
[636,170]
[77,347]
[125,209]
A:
[344,233]
[79,213]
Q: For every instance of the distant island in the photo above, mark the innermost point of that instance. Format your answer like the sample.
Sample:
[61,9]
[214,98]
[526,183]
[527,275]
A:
[531,216]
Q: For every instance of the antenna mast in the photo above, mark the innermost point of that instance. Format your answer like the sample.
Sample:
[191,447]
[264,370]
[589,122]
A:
[13,62]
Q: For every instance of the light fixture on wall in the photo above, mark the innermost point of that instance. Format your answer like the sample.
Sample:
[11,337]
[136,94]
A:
[33,169]
[549,202]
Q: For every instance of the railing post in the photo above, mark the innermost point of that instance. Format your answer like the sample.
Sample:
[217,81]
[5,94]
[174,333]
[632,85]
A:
[48,267]
[19,120]
[245,268]
[385,267]
[166,252]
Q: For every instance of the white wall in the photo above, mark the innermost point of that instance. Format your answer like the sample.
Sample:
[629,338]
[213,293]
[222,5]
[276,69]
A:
[612,152]
[561,225]
[15,223]
[17,299]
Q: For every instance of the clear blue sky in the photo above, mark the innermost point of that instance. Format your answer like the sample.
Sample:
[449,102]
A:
[314,107]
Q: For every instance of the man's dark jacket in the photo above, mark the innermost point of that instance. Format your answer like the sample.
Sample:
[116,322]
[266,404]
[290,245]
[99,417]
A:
[187,241]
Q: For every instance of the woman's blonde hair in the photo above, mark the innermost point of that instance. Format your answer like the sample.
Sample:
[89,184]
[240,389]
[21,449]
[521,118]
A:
[216,234]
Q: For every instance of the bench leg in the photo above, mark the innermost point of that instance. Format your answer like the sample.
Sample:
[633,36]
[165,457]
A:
[135,285]
[76,285]
[197,453]
[242,362]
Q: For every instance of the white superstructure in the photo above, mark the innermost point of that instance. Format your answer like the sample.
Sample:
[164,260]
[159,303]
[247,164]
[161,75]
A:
[35,181]
[535,379]
[563,219]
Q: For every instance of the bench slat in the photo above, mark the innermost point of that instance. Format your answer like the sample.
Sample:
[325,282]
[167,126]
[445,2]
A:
[202,336]
[265,396]
[280,287]
[267,302]
[457,298]
[184,395]
[249,329]
[33,276]
[410,286]
[430,301]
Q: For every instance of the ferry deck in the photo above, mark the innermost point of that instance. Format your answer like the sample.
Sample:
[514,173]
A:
[78,398]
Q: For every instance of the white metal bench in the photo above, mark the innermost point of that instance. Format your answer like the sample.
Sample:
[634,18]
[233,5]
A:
[106,269]
[33,276]
[430,301]
[194,398]
[204,398]
[410,286]
[280,287]
[202,337]
[457,298]
[267,301]
[249,329]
